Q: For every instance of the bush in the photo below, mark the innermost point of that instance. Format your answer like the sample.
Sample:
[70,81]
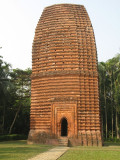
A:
[12,137]
[114,140]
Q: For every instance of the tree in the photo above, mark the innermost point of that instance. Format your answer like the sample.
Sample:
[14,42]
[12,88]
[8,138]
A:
[21,80]
[5,86]
[14,99]
[117,92]
[103,81]
[109,81]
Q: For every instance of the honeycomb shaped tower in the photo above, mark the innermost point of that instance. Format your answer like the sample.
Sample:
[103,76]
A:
[64,82]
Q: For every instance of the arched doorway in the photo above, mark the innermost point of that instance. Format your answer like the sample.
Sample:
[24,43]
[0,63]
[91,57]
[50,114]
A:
[64,127]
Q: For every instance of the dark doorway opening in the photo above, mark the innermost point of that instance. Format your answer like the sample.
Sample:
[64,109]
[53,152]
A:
[64,127]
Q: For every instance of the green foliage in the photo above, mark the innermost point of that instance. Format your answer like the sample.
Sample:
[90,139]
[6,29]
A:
[5,85]
[12,137]
[109,84]
[14,99]
[21,97]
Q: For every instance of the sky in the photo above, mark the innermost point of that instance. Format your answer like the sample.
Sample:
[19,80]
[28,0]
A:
[18,20]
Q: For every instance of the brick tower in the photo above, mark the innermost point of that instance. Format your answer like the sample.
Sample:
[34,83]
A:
[64,87]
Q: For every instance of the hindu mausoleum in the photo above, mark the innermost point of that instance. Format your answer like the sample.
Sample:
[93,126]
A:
[64,83]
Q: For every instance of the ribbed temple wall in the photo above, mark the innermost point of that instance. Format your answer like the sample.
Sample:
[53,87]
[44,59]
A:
[43,91]
[64,72]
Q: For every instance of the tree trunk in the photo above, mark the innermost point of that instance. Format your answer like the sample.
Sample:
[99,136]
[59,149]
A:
[3,119]
[102,127]
[10,130]
[112,106]
[112,122]
[117,127]
[106,129]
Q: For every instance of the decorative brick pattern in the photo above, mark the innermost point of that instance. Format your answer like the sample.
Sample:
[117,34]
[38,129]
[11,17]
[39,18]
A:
[65,77]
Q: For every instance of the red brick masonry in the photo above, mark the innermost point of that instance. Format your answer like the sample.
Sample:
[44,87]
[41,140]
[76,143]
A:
[65,78]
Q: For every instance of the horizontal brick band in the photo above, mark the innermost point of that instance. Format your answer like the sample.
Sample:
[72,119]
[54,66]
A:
[65,72]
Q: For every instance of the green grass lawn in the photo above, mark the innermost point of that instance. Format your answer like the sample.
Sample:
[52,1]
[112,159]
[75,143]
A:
[108,152]
[20,150]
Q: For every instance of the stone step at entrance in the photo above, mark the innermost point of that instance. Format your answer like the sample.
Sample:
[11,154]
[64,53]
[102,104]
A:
[63,141]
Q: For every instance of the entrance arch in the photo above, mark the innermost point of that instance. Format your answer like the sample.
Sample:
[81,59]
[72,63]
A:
[64,127]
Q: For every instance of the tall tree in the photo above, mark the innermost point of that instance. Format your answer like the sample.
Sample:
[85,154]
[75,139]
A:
[5,85]
[21,80]
[109,80]
[103,92]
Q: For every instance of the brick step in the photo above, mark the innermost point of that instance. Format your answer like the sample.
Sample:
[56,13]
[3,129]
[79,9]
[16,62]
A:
[63,141]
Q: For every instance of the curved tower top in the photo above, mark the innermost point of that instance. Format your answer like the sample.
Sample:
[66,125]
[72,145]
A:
[64,40]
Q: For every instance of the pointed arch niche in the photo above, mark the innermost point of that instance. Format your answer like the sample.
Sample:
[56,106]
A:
[64,119]
[64,127]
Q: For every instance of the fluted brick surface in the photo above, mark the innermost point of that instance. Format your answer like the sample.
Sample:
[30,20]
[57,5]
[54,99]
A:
[65,76]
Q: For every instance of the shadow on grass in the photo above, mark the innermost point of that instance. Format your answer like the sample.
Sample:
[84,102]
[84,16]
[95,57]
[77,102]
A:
[14,150]
[21,149]
[105,144]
